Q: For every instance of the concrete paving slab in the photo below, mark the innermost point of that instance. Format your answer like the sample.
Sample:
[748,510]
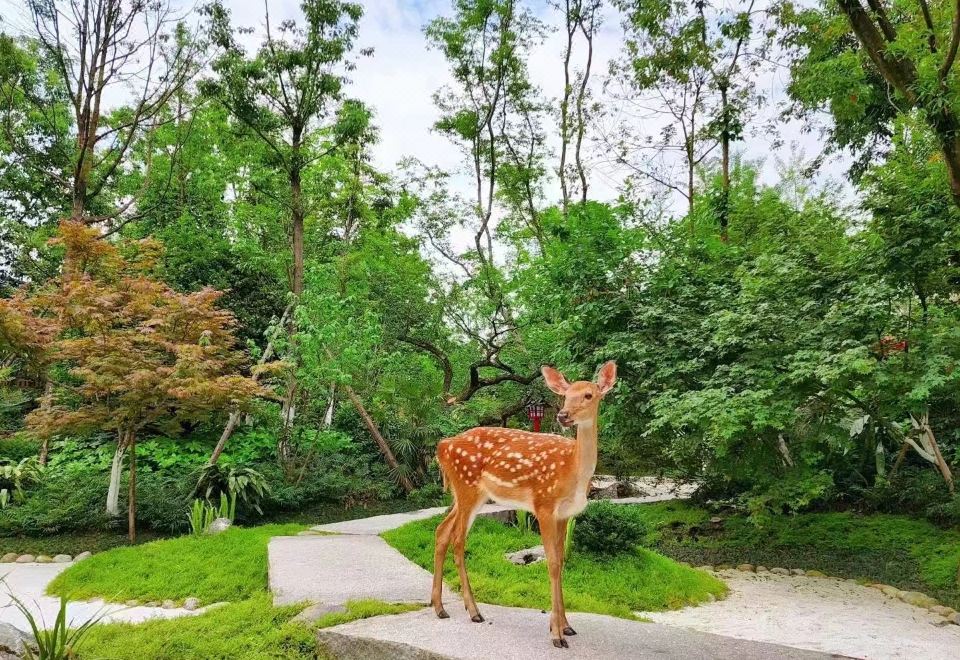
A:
[522,634]
[379,524]
[337,568]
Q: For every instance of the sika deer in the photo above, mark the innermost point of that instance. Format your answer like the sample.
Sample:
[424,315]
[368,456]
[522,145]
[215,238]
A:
[548,475]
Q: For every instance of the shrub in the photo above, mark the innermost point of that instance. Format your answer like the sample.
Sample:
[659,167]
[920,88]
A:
[19,446]
[64,501]
[608,529]
[162,500]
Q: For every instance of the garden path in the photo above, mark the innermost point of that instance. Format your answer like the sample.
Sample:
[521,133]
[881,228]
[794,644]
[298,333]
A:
[29,583]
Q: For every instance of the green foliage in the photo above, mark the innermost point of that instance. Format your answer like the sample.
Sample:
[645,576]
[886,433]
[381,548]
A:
[202,513]
[607,530]
[233,482]
[899,550]
[619,586]
[55,642]
[524,522]
[230,566]
[15,477]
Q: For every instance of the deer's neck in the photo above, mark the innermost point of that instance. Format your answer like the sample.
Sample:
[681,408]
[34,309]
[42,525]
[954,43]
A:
[586,450]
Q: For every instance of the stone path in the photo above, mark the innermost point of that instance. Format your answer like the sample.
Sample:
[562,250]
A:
[29,583]
[521,634]
[820,613]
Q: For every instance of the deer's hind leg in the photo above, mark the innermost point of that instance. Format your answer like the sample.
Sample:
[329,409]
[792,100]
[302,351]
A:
[443,536]
[468,502]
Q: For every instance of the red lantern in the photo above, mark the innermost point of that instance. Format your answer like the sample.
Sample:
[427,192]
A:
[535,413]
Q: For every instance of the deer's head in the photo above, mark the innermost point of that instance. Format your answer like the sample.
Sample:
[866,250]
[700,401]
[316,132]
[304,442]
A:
[581,399]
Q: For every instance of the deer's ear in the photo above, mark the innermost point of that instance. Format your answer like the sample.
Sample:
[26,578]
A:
[607,377]
[554,380]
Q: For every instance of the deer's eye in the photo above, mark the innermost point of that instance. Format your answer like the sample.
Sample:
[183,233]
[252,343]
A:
[588,395]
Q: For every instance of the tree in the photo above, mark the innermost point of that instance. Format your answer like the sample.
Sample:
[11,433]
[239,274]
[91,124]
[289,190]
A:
[287,95]
[100,49]
[131,353]
[691,68]
[912,49]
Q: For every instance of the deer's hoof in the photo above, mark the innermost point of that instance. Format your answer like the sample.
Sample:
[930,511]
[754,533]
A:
[442,614]
[561,643]
[569,631]
[477,618]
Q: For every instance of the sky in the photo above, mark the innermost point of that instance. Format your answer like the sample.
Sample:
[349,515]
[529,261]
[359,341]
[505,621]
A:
[399,81]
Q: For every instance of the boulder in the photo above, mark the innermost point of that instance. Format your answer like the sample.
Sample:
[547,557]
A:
[780,571]
[83,555]
[887,590]
[132,603]
[62,559]
[151,603]
[723,567]
[747,568]
[168,604]
[527,556]
[797,571]
[219,526]
[191,604]
[44,559]
[25,559]
[14,642]
[816,574]
[9,557]
[954,618]
[762,569]
[917,599]
[943,610]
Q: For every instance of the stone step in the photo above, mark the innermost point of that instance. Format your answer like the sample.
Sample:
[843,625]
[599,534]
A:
[336,568]
[379,524]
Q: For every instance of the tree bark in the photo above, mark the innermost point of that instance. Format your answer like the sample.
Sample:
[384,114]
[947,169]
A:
[132,492]
[235,415]
[725,164]
[116,471]
[379,439]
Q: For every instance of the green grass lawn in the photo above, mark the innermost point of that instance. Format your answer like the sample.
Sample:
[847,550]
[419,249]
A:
[619,586]
[228,567]
[898,550]
[252,629]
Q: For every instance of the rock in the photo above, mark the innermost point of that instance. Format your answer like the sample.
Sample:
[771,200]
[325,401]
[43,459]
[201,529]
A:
[527,556]
[705,567]
[151,603]
[940,623]
[954,618]
[797,571]
[816,574]
[762,569]
[9,557]
[62,559]
[887,590]
[711,598]
[943,610]
[132,603]
[746,568]
[168,604]
[219,526]
[44,559]
[25,559]
[83,555]
[316,612]
[604,492]
[191,604]
[716,520]
[780,571]
[917,599]
[14,642]
[627,489]
[723,567]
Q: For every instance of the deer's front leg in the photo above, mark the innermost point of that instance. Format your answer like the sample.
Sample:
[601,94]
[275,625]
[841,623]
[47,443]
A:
[562,525]
[548,530]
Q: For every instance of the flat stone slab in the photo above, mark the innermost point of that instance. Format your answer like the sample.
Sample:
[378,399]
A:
[337,568]
[522,634]
[377,525]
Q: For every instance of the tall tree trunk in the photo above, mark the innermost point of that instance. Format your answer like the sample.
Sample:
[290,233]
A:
[379,439]
[235,415]
[725,164]
[132,492]
[116,471]
[45,403]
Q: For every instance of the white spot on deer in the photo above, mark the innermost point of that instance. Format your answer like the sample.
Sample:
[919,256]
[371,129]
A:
[487,445]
